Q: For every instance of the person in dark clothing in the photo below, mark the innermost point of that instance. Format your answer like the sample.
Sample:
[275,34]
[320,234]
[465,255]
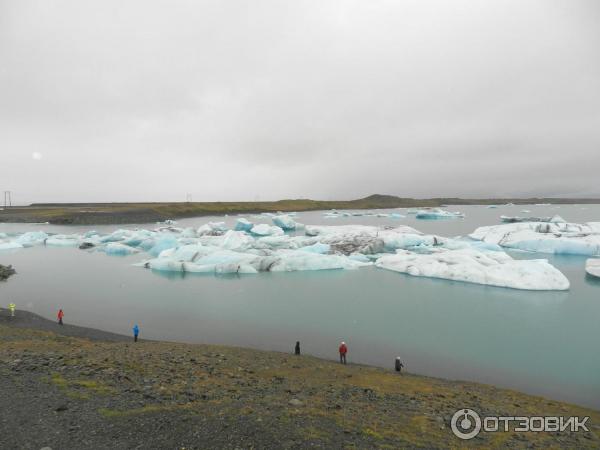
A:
[136,331]
[297,348]
[399,365]
[60,316]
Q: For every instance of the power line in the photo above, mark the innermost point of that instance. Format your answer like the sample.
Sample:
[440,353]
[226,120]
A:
[7,199]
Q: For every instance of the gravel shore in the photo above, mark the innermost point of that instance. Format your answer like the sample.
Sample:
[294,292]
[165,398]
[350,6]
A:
[72,387]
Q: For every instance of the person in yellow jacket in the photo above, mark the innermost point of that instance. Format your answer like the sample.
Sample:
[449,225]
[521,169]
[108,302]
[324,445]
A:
[11,308]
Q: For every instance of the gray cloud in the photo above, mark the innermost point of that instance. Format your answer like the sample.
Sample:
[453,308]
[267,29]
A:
[230,100]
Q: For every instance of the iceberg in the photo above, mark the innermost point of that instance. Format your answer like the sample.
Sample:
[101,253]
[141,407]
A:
[394,241]
[243,224]
[549,237]
[163,242]
[434,214]
[10,245]
[473,266]
[212,229]
[284,222]
[32,238]
[266,230]
[224,257]
[189,233]
[516,219]
[396,216]
[118,249]
[316,248]
[364,239]
[234,268]
[63,240]
[296,260]
[115,236]
[592,267]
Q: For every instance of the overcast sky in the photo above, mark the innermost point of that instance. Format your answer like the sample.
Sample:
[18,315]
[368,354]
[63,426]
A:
[244,100]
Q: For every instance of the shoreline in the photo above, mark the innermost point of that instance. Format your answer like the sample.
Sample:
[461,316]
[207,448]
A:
[29,320]
[78,389]
[136,213]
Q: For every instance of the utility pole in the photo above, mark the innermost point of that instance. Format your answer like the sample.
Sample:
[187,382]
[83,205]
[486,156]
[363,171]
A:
[7,199]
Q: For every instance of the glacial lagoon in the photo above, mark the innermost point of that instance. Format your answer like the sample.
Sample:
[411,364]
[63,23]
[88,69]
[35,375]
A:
[541,342]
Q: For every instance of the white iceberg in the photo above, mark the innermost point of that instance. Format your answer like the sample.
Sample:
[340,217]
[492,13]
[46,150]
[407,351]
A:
[212,229]
[263,229]
[317,247]
[63,240]
[115,236]
[296,260]
[557,238]
[236,240]
[473,266]
[592,266]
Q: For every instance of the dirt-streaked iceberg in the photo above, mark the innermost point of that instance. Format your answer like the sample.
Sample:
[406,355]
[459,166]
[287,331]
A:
[474,266]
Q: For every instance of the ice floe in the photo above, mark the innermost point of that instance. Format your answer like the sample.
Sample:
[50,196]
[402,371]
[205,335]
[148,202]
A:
[285,222]
[243,224]
[548,237]
[436,213]
[592,266]
[264,229]
[251,248]
[474,266]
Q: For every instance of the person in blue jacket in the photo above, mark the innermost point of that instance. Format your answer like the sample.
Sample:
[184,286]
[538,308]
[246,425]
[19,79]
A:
[136,331]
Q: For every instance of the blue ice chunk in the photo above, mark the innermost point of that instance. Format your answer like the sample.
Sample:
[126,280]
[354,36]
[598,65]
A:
[118,249]
[32,238]
[433,214]
[243,224]
[284,222]
[163,242]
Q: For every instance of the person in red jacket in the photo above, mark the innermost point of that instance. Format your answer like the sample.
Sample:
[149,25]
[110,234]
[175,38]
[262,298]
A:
[60,316]
[343,350]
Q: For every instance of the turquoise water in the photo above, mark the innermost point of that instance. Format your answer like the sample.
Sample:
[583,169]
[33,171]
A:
[540,342]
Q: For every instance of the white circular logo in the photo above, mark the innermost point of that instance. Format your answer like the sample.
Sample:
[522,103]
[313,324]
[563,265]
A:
[466,424]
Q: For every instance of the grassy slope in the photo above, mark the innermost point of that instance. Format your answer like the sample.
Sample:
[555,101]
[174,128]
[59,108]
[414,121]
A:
[247,393]
[104,213]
